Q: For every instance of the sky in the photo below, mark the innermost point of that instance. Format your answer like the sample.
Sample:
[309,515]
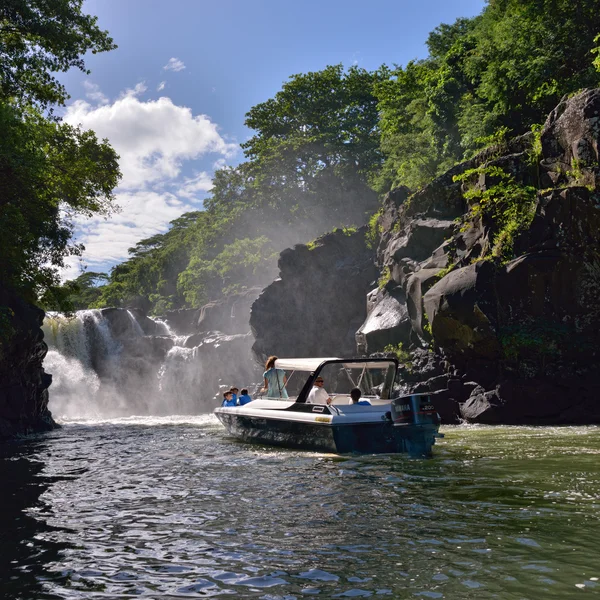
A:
[172,97]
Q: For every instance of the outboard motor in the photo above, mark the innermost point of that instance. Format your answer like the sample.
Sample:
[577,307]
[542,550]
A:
[417,409]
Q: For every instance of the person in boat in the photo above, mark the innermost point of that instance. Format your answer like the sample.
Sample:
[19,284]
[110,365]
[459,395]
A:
[318,394]
[355,395]
[234,392]
[228,399]
[244,397]
[274,380]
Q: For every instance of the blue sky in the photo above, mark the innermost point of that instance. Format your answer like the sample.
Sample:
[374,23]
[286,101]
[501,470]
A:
[173,96]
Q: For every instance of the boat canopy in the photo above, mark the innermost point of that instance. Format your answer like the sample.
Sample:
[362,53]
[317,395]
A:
[312,364]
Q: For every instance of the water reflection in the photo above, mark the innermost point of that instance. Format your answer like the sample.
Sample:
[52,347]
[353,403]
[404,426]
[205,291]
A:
[27,543]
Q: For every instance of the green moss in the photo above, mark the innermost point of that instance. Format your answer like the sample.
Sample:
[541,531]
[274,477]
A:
[510,205]
[576,171]
[536,146]
[534,339]
[385,278]
[374,230]
[446,270]
[403,356]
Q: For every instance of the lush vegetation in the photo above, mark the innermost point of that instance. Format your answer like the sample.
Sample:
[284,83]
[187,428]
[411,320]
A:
[307,171]
[325,148]
[328,139]
[506,205]
[50,172]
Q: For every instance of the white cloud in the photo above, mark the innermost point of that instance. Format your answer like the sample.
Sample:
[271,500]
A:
[93,92]
[138,90]
[201,182]
[161,86]
[174,64]
[143,214]
[154,139]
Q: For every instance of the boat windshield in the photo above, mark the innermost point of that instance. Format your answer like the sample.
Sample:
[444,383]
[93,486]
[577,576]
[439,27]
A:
[373,377]
[374,380]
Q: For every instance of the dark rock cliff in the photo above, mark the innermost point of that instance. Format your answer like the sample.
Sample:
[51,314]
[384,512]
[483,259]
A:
[489,276]
[318,303]
[499,263]
[23,382]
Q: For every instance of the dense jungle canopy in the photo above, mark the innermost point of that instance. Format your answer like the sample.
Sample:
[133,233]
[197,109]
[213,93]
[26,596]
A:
[325,149]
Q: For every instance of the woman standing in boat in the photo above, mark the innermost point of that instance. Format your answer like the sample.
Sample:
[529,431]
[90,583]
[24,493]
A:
[274,380]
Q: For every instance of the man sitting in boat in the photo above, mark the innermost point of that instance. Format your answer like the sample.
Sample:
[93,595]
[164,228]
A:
[318,394]
[228,399]
[355,395]
[244,397]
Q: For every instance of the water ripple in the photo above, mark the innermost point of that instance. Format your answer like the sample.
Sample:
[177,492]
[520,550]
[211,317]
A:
[174,508]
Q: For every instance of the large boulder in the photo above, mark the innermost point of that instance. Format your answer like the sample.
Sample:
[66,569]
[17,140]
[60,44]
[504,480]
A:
[570,137]
[460,308]
[387,321]
[318,303]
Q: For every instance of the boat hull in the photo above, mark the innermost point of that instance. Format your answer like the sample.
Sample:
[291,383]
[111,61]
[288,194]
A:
[338,437]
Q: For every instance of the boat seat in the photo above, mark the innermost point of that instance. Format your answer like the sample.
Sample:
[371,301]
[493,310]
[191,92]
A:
[340,398]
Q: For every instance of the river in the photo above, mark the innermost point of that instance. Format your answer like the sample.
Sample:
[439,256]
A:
[172,507]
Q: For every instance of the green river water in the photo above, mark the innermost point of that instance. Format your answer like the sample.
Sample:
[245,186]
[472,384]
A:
[174,508]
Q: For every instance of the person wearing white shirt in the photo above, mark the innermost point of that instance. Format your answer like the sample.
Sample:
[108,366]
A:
[318,394]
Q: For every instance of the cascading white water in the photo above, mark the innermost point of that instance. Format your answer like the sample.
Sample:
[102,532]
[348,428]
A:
[137,328]
[104,365]
[75,382]
[162,327]
[96,374]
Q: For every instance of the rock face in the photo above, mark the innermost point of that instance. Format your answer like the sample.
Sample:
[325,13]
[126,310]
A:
[230,316]
[318,303]
[500,271]
[23,382]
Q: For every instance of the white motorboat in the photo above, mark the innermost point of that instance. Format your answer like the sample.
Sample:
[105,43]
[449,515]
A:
[385,425]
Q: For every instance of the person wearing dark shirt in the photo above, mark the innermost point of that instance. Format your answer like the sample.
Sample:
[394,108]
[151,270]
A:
[355,394]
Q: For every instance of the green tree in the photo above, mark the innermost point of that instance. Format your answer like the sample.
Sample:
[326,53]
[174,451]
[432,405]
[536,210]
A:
[39,38]
[50,173]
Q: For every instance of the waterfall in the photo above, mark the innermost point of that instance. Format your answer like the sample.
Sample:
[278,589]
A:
[105,365]
[74,342]
[137,328]
[162,327]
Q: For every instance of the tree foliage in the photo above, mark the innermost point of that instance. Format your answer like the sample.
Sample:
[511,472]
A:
[39,38]
[50,173]
[329,138]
